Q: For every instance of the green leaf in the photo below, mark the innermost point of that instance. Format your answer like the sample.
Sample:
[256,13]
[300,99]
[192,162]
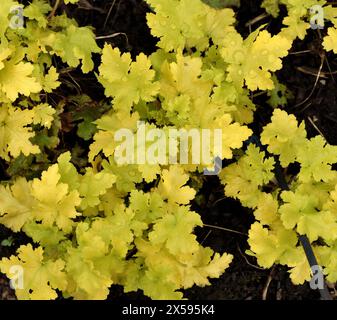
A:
[7,242]
[219,4]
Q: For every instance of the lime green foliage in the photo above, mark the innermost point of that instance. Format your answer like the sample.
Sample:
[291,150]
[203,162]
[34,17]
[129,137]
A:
[154,224]
[280,95]
[204,23]
[177,81]
[42,278]
[25,69]
[283,136]
[70,1]
[299,16]
[126,81]
[75,46]
[271,6]
[245,178]
[14,134]
[308,208]
[120,234]
[218,4]
[95,222]
[264,51]
[7,242]
[178,30]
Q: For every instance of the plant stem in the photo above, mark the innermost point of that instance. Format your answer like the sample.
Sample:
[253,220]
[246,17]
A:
[52,13]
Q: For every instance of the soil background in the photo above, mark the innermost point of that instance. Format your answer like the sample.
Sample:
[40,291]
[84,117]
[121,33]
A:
[314,101]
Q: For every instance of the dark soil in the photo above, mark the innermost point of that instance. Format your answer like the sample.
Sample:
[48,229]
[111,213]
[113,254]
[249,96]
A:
[244,280]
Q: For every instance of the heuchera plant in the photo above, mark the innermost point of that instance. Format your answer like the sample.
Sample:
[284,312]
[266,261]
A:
[96,223]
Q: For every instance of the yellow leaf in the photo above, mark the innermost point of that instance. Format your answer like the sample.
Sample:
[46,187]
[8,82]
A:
[41,277]
[16,203]
[14,133]
[16,78]
[55,202]
[172,188]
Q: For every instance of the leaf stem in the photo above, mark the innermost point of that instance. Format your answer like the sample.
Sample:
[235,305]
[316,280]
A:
[52,13]
[224,229]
